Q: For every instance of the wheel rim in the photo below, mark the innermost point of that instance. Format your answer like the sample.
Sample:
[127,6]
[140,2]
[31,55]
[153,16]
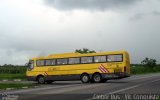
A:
[41,80]
[97,78]
[85,79]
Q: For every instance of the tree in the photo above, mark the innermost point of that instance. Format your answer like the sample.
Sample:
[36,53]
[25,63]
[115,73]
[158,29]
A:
[84,50]
[149,62]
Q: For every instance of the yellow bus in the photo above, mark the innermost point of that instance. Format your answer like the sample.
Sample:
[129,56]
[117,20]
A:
[91,67]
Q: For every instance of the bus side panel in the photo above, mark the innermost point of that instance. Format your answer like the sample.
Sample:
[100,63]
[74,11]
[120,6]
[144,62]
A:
[65,71]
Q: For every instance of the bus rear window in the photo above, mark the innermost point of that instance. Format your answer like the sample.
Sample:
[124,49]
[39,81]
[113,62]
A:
[115,58]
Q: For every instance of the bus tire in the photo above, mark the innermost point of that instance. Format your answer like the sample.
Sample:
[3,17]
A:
[97,78]
[85,78]
[40,79]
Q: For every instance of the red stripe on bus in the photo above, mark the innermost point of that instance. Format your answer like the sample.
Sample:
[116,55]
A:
[45,73]
[105,68]
[101,70]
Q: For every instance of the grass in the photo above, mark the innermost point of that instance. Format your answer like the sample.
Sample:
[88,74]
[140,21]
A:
[12,76]
[15,85]
[144,69]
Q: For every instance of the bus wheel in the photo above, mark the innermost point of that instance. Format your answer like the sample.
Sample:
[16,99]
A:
[97,78]
[49,82]
[41,79]
[85,78]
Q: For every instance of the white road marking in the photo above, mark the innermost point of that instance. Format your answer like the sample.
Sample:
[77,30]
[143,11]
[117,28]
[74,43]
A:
[143,77]
[9,88]
[131,78]
[17,80]
[5,80]
[36,89]
[67,90]
[132,87]
[25,87]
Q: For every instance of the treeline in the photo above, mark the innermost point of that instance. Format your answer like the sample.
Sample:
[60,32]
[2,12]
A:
[12,69]
[148,65]
[134,65]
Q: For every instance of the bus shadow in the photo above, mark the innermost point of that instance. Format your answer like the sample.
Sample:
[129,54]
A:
[74,83]
[64,83]
[117,82]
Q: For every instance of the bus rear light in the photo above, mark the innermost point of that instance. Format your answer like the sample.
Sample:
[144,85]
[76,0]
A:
[125,69]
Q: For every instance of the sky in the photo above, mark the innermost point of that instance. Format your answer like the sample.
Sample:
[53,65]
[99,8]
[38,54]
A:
[33,28]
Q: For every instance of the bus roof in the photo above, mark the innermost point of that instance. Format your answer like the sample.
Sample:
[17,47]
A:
[72,54]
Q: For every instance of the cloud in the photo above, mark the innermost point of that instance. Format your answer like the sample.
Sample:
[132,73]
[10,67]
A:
[137,16]
[31,29]
[156,13]
[88,4]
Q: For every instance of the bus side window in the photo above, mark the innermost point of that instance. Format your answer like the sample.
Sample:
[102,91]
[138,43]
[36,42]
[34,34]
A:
[115,58]
[99,58]
[62,61]
[40,62]
[85,60]
[53,62]
[50,62]
[74,60]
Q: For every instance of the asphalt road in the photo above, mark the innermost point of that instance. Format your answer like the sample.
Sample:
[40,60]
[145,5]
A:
[75,90]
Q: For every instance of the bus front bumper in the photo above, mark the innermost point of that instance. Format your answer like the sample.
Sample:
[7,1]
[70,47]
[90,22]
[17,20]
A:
[31,78]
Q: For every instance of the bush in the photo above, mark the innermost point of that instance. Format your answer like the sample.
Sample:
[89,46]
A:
[149,62]
[144,69]
[12,69]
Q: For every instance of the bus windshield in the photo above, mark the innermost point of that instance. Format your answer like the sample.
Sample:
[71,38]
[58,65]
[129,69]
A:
[30,65]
